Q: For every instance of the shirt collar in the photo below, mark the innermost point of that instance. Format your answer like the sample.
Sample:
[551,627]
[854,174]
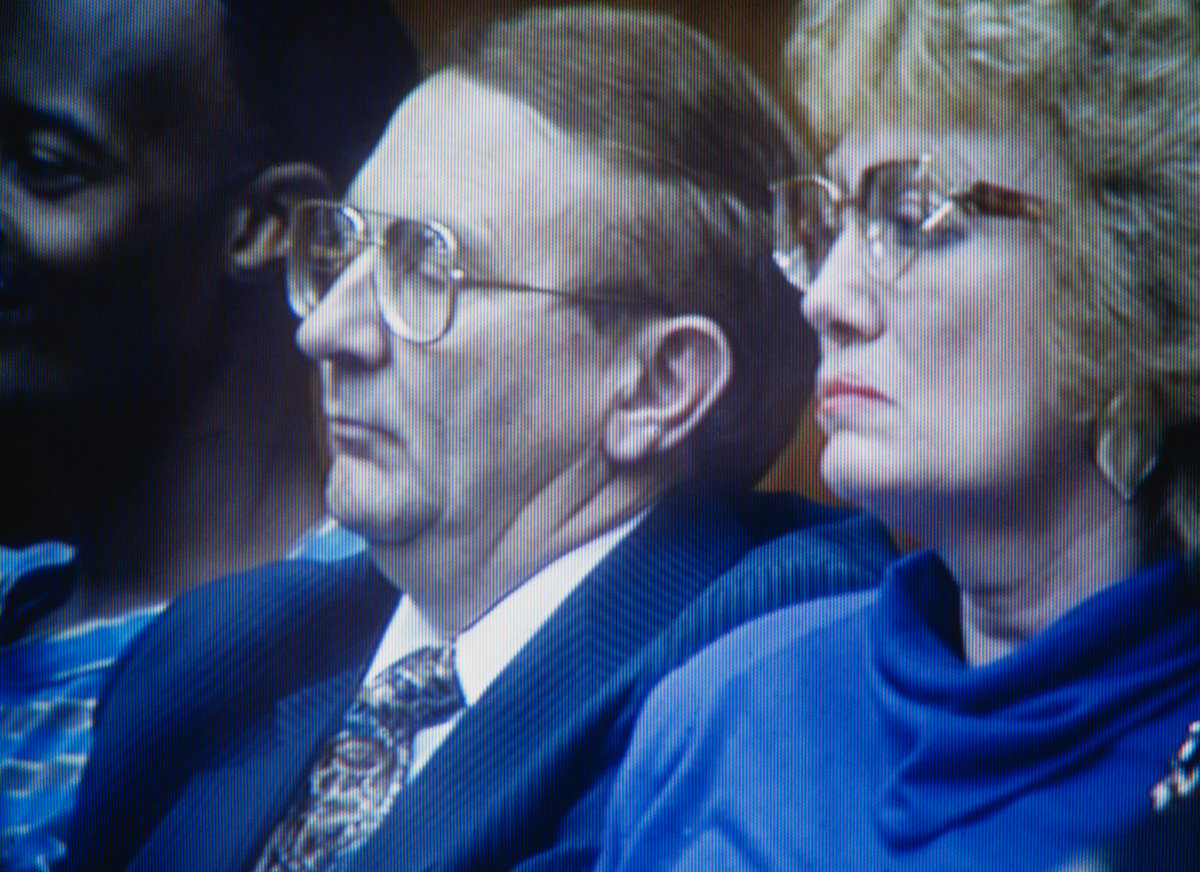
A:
[484,649]
[490,644]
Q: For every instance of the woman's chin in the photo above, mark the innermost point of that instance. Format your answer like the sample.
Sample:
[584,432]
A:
[857,474]
[874,484]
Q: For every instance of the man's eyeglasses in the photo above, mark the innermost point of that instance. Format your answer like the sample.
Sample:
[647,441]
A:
[901,208]
[416,275]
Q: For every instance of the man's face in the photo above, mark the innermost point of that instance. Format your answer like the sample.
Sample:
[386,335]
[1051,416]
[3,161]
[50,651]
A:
[450,442]
[111,246]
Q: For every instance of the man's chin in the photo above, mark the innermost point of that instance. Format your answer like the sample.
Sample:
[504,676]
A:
[381,525]
[35,394]
[384,512]
[379,533]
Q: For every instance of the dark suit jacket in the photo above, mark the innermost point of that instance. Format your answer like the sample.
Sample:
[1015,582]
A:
[214,716]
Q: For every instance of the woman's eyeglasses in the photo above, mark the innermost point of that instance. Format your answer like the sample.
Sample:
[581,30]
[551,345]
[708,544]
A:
[901,208]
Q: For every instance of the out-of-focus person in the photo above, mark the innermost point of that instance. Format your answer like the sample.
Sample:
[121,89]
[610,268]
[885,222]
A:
[555,355]
[1001,260]
[156,417]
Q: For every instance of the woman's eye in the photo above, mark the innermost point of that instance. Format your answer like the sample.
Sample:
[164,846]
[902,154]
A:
[924,220]
[905,229]
[905,217]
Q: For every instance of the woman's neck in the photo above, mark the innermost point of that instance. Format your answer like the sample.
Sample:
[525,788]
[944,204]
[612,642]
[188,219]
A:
[1034,557]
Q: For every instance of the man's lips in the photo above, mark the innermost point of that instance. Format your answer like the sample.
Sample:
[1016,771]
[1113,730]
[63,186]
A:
[19,312]
[845,388]
[352,435]
[12,298]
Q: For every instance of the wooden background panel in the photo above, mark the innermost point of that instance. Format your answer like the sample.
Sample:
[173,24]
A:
[755,32]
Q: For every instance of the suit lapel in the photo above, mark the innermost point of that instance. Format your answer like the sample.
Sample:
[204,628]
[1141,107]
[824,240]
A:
[533,739]
[314,660]
[226,813]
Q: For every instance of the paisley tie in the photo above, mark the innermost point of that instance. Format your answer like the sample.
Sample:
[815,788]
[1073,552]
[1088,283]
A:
[362,768]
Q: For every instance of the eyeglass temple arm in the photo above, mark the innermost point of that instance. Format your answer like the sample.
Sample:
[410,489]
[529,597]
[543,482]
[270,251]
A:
[984,198]
[463,281]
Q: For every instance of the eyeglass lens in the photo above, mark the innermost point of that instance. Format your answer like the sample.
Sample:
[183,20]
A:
[894,208]
[323,241]
[415,290]
[412,275]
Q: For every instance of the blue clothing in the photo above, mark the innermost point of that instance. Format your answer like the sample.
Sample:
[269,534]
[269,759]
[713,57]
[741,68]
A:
[16,564]
[49,686]
[272,659]
[327,542]
[868,743]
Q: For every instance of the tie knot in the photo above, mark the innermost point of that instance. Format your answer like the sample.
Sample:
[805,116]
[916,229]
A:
[418,690]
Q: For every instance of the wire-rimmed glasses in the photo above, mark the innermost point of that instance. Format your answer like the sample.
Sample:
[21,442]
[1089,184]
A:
[901,208]
[416,275]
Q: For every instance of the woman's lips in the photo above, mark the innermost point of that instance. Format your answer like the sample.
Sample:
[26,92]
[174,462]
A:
[842,389]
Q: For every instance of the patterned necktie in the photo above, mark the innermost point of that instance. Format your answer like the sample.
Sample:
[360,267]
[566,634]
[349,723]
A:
[363,767]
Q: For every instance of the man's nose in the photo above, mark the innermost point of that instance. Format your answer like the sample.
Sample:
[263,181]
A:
[346,326]
[843,301]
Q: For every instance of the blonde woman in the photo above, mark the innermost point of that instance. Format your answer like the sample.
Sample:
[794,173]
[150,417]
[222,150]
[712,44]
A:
[1001,261]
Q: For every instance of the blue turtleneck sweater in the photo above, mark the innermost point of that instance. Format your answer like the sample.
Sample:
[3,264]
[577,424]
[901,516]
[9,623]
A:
[850,734]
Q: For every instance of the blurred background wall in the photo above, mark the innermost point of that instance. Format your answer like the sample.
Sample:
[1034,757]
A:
[755,31]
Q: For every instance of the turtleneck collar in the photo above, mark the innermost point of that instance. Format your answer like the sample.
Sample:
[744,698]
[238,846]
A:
[962,740]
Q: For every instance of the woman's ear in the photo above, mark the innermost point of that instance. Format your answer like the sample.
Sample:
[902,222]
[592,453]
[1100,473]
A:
[677,370]
[261,215]
[1128,435]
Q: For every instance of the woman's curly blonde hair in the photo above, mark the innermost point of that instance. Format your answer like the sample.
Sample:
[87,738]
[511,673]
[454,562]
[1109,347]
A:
[1116,83]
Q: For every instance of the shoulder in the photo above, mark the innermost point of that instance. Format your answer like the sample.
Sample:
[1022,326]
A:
[755,662]
[262,625]
[710,732]
[275,598]
[792,551]
[832,552]
[214,663]
[703,685]
[824,540]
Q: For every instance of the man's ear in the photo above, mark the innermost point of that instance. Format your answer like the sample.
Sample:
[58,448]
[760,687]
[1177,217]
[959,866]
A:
[261,215]
[675,371]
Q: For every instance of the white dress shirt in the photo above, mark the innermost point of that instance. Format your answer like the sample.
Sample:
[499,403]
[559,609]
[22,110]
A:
[483,650]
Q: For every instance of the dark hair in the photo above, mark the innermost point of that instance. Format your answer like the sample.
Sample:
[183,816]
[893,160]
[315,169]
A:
[319,78]
[695,141]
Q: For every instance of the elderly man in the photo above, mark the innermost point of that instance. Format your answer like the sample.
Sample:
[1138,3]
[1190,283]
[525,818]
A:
[554,352]
[155,415]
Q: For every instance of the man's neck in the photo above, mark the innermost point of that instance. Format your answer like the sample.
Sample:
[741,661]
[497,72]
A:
[232,486]
[454,584]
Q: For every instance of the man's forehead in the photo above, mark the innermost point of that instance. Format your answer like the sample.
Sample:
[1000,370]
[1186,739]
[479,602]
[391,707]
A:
[453,124]
[92,55]
[460,149]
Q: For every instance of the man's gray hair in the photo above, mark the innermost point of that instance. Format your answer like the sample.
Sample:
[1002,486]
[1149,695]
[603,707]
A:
[695,141]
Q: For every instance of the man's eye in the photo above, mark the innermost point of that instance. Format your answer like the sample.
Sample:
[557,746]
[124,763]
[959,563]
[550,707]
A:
[49,172]
[432,271]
